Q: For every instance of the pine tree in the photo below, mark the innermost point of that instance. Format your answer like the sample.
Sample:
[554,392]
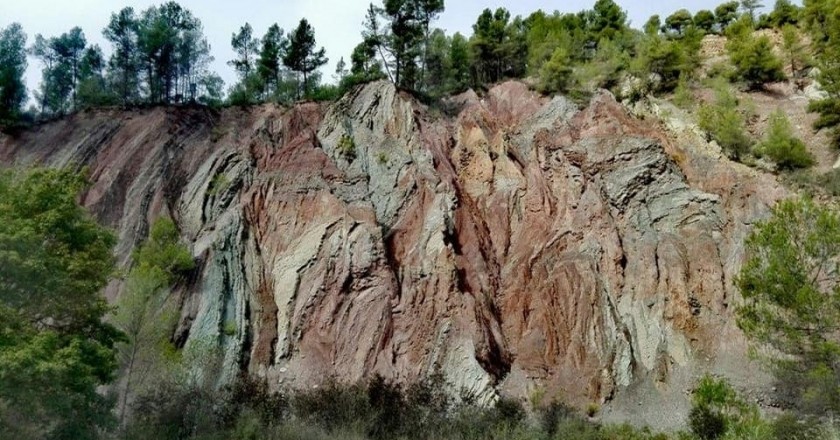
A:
[753,57]
[12,68]
[823,23]
[751,6]
[795,51]
[725,14]
[427,12]
[705,20]
[459,59]
[556,74]
[123,67]
[93,90]
[782,147]
[270,62]
[302,56]
[488,44]
[679,21]
[246,47]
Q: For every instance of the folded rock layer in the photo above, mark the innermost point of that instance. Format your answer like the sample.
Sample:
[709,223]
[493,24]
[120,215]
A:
[512,242]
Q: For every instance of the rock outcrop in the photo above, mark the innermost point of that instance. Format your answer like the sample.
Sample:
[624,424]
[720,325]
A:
[515,243]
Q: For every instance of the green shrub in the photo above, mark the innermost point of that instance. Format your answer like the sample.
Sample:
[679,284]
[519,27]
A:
[830,182]
[326,92]
[683,97]
[724,123]
[164,251]
[335,407]
[782,147]
[791,427]
[707,423]
[551,415]
[347,147]
[752,57]
[556,74]
[726,126]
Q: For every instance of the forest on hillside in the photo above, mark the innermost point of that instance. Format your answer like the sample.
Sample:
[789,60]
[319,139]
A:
[73,366]
[161,56]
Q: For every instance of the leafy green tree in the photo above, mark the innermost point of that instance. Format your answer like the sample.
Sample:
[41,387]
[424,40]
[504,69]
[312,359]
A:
[679,21]
[302,56]
[403,40]
[12,68]
[124,64]
[364,63]
[71,48]
[55,348]
[791,291]
[725,14]
[437,64]
[821,18]
[782,147]
[43,50]
[667,60]
[704,19]
[605,69]
[211,90]
[427,12]
[374,38]
[515,48]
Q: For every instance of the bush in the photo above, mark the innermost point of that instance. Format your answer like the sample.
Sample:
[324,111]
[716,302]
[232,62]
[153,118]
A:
[325,93]
[556,74]
[791,427]
[725,124]
[347,147]
[753,57]
[830,182]
[333,407]
[683,97]
[707,423]
[664,62]
[782,147]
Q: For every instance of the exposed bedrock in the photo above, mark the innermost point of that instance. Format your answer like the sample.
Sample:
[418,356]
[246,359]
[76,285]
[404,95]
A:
[515,243]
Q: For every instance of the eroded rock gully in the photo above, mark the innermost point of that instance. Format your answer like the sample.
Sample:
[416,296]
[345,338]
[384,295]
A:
[522,244]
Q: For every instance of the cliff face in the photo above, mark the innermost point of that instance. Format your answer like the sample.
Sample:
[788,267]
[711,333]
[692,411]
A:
[517,243]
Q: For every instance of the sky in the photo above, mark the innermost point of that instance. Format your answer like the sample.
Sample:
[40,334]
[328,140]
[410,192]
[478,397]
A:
[337,23]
